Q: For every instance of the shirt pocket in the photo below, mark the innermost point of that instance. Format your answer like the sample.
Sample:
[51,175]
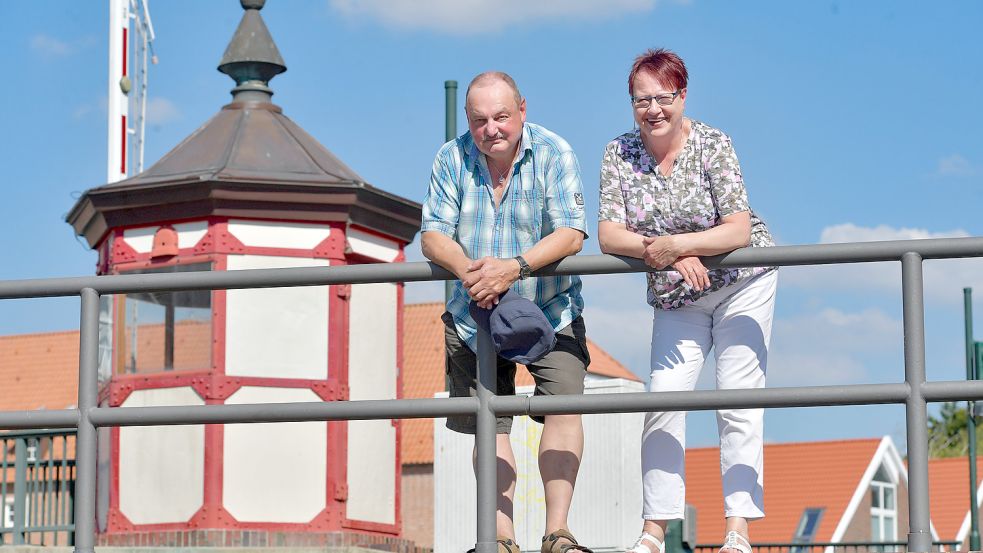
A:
[527,213]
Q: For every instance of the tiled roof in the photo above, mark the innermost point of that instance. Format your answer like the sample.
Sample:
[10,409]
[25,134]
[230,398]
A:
[797,476]
[39,371]
[423,373]
[948,493]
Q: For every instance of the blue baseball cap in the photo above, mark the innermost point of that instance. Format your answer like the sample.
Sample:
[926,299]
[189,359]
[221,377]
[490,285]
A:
[519,330]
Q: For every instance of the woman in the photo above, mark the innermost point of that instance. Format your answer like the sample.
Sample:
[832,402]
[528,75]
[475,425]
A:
[672,191]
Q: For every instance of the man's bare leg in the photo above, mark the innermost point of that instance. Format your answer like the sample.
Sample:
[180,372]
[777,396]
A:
[560,450]
[505,475]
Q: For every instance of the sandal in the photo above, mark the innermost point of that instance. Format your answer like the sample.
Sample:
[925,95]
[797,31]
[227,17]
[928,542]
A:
[733,540]
[505,545]
[641,547]
[551,543]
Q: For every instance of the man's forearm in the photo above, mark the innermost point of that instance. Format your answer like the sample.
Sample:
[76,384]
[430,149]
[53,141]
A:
[558,244]
[444,251]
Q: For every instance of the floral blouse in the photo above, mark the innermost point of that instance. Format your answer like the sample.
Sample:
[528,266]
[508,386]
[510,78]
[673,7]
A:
[704,185]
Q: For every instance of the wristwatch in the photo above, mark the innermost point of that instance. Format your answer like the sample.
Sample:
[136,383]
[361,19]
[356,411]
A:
[524,268]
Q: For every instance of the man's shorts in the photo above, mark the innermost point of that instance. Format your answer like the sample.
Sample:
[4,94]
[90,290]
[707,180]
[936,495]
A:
[561,371]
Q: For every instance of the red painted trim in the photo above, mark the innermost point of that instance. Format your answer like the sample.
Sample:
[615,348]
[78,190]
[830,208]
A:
[332,247]
[122,166]
[122,252]
[219,318]
[125,37]
[338,330]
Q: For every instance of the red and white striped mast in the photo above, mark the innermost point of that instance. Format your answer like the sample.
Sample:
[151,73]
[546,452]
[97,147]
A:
[119,88]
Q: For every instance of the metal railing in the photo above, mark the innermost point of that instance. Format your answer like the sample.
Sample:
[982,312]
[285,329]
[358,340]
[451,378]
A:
[914,392]
[831,547]
[37,487]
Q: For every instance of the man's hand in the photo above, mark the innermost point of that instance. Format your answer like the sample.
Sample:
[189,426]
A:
[693,272]
[489,277]
[660,251]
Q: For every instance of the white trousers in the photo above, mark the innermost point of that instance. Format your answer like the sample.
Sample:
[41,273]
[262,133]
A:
[736,322]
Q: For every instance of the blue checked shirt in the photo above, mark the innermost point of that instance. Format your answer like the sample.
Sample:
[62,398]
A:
[545,193]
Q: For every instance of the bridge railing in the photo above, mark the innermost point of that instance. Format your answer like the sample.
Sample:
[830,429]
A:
[914,392]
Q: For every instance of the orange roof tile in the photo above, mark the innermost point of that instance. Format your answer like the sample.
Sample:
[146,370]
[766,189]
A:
[797,476]
[948,493]
[423,373]
[39,371]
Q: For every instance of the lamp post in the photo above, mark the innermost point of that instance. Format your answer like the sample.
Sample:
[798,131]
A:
[973,349]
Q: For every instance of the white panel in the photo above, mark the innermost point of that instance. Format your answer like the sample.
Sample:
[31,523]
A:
[276,332]
[264,234]
[372,246]
[275,472]
[161,468]
[607,505]
[140,239]
[372,374]
[188,234]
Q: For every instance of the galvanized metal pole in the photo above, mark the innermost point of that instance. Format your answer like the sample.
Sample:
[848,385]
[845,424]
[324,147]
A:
[20,488]
[971,373]
[85,456]
[485,457]
[916,413]
[450,133]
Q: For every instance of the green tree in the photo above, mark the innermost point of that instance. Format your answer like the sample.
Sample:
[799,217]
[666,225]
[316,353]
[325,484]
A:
[947,433]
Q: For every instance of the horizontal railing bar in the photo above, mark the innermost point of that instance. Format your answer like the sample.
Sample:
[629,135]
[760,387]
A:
[284,412]
[812,254]
[58,528]
[804,396]
[807,545]
[53,432]
[953,390]
[41,418]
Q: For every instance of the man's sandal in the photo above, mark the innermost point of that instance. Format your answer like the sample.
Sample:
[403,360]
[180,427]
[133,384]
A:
[642,547]
[551,543]
[505,545]
[733,540]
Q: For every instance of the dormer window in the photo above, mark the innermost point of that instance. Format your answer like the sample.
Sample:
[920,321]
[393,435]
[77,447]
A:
[883,507]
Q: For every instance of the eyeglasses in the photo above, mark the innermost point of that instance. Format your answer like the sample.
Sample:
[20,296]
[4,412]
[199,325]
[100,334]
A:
[643,102]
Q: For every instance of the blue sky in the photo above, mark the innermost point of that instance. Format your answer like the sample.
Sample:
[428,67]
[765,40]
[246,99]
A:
[852,120]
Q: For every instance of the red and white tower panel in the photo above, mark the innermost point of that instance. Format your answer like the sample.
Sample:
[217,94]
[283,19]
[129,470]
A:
[249,189]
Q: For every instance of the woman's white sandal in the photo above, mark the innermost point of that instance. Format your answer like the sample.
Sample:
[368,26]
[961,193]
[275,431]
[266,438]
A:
[641,547]
[733,541]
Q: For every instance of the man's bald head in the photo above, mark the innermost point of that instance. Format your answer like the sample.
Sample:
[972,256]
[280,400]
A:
[491,77]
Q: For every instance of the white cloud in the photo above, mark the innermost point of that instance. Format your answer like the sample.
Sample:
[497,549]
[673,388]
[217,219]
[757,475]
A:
[50,47]
[848,232]
[955,166]
[468,17]
[831,346]
[943,279]
[161,110]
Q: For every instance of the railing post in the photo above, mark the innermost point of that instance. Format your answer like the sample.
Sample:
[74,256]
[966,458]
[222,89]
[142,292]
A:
[485,456]
[20,489]
[971,374]
[916,414]
[85,441]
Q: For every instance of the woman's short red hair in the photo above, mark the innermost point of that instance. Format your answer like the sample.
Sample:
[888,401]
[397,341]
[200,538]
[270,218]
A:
[664,65]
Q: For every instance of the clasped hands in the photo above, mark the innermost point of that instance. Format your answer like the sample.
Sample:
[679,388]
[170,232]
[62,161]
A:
[663,251]
[487,278]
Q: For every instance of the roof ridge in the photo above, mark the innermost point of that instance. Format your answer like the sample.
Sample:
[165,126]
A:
[804,442]
[43,333]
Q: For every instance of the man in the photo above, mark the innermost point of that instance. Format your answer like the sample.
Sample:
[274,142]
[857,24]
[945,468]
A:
[505,199]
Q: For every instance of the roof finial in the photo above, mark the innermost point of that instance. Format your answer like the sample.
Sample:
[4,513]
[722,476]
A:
[252,58]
